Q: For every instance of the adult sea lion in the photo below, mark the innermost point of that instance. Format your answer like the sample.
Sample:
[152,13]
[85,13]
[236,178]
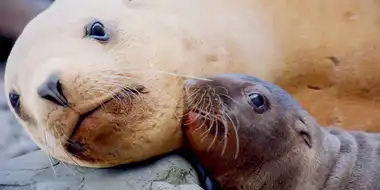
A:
[251,134]
[100,83]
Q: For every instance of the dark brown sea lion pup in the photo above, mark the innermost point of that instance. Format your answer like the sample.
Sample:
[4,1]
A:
[251,134]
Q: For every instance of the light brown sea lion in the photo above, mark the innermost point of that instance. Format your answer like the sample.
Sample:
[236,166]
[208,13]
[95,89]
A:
[251,134]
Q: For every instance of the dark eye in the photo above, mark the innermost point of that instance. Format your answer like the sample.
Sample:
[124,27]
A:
[96,30]
[258,101]
[14,99]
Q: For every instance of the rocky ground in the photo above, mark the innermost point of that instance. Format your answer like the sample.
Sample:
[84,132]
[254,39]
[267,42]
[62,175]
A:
[13,139]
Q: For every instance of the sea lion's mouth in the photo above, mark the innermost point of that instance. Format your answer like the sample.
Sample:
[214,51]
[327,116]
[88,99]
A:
[78,147]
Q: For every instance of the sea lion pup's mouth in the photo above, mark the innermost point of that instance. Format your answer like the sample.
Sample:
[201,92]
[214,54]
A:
[77,146]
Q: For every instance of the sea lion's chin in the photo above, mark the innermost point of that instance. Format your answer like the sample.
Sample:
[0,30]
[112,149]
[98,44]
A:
[96,136]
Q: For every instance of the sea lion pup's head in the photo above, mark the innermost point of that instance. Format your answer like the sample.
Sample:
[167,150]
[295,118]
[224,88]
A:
[244,129]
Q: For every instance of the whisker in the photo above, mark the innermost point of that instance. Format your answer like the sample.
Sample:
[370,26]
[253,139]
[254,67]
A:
[215,136]
[147,84]
[207,132]
[117,82]
[49,156]
[163,72]
[203,114]
[102,102]
[69,156]
[225,139]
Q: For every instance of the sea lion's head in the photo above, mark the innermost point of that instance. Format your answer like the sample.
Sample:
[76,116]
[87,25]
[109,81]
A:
[100,83]
[93,88]
[238,123]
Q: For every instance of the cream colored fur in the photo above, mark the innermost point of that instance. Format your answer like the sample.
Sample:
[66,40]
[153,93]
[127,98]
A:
[323,44]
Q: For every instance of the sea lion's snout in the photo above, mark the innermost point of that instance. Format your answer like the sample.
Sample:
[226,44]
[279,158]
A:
[210,121]
[203,97]
[190,83]
[204,103]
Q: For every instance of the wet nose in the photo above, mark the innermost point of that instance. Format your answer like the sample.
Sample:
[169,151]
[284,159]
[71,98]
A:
[51,90]
[197,83]
[189,83]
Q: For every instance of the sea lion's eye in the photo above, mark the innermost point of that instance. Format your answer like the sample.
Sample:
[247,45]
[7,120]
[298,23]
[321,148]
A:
[258,102]
[257,99]
[14,99]
[96,30]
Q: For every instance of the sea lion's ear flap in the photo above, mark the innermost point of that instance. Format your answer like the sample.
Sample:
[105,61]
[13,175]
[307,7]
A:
[301,128]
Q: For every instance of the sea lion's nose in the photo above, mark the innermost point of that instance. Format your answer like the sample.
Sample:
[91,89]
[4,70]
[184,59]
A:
[51,90]
[197,83]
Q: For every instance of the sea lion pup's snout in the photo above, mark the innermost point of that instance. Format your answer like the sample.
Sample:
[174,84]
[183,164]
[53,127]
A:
[237,124]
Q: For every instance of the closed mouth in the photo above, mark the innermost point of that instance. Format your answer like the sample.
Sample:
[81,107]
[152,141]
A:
[73,146]
[77,148]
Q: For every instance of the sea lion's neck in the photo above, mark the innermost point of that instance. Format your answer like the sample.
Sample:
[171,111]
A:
[324,159]
[297,168]
[352,159]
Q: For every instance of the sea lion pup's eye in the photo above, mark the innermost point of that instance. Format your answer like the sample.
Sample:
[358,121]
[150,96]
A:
[96,30]
[258,102]
[14,99]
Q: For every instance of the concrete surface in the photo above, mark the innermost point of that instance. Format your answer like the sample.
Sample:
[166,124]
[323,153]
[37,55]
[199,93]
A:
[13,140]
[36,171]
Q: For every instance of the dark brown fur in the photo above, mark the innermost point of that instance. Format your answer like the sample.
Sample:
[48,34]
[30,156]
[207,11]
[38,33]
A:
[281,148]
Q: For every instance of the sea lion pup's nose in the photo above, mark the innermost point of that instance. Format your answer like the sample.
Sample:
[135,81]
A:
[51,90]
[190,83]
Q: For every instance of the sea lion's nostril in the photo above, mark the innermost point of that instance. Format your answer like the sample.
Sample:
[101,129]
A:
[51,90]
